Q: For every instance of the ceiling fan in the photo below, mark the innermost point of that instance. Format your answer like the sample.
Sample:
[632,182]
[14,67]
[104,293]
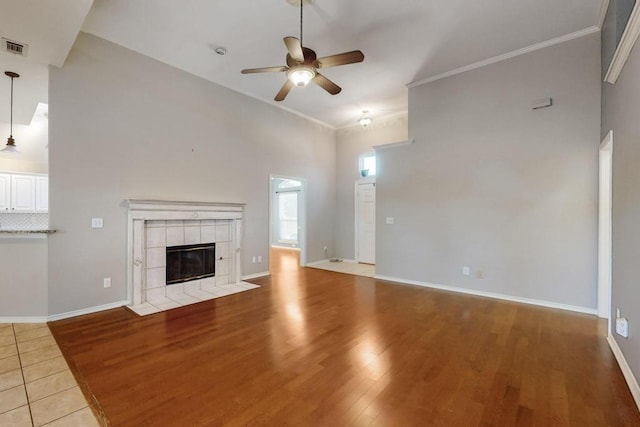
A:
[303,65]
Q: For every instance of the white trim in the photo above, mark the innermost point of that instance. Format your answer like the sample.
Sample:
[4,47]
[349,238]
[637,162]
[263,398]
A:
[508,55]
[632,382]
[393,145]
[256,275]
[314,263]
[605,174]
[328,260]
[628,40]
[23,319]
[603,13]
[530,301]
[89,310]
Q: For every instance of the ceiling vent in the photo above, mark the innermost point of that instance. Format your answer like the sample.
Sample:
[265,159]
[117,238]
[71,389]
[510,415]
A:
[14,47]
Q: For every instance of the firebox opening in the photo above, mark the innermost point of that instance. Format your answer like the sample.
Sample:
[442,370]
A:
[190,262]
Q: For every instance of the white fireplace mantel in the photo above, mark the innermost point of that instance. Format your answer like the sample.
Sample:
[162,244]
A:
[141,211]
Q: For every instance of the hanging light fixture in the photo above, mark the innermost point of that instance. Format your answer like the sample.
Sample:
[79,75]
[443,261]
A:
[11,143]
[301,74]
[365,120]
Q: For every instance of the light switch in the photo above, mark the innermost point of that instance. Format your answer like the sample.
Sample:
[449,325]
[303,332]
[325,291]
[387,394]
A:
[97,222]
[390,220]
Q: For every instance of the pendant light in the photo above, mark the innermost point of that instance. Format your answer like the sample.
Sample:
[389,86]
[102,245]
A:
[11,143]
[365,120]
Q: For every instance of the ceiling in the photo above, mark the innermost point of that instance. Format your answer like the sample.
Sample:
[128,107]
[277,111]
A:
[403,42]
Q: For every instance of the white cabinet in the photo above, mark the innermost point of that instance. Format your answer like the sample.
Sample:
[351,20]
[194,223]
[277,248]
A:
[42,193]
[24,193]
[5,192]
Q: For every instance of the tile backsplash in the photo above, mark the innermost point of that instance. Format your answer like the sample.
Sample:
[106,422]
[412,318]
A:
[24,221]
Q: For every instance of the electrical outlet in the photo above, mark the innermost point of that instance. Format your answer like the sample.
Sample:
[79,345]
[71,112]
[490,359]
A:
[253,260]
[325,249]
[259,258]
[465,271]
[106,282]
[97,223]
[389,220]
[622,327]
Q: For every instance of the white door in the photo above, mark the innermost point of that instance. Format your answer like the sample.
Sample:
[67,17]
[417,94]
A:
[366,223]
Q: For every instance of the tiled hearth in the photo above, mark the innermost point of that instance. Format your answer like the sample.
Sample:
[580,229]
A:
[156,225]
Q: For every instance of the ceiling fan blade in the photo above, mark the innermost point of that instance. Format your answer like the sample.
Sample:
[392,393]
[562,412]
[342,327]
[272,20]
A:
[295,48]
[326,84]
[284,91]
[340,59]
[264,70]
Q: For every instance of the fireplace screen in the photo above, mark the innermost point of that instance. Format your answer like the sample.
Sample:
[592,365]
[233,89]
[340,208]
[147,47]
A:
[190,262]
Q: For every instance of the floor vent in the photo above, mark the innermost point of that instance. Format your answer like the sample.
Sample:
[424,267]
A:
[14,47]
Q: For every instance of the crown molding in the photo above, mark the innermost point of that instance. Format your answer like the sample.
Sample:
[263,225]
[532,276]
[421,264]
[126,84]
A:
[628,40]
[508,55]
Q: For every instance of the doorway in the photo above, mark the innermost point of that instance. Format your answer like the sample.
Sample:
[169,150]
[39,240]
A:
[287,213]
[605,229]
[365,223]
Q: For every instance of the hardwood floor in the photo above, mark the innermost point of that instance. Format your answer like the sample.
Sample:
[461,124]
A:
[312,347]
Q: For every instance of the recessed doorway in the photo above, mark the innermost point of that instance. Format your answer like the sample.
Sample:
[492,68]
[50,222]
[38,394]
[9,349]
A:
[287,213]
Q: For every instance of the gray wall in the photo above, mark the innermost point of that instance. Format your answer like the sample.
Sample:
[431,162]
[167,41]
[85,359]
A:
[496,186]
[125,126]
[23,277]
[351,143]
[620,107]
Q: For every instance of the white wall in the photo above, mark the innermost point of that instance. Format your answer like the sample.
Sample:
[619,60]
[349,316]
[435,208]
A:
[125,126]
[496,186]
[351,143]
[620,107]
[23,277]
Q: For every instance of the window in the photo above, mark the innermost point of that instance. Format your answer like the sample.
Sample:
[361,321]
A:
[368,164]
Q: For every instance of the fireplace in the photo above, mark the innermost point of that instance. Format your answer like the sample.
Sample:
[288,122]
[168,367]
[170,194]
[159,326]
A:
[209,235]
[190,262]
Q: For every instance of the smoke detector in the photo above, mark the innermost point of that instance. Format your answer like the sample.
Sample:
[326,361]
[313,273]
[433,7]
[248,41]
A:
[14,47]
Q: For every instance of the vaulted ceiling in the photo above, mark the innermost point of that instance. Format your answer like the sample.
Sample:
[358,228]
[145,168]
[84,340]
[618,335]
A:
[403,41]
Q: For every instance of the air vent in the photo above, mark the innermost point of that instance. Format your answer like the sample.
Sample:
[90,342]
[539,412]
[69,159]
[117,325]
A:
[14,47]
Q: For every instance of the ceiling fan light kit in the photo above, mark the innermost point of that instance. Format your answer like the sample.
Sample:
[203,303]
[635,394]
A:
[11,143]
[301,75]
[303,63]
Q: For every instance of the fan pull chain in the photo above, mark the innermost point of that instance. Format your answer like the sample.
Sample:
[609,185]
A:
[301,2]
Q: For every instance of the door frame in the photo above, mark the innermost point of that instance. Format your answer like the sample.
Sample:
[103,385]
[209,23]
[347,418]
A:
[302,214]
[605,190]
[366,180]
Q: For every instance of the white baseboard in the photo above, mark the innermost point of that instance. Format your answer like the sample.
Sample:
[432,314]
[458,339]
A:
[530,301]
[23,319]
[89,310]
[255,275]
[632,382]
[327,260]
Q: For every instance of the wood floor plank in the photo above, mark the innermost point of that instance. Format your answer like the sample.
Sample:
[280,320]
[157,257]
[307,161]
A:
[312,347]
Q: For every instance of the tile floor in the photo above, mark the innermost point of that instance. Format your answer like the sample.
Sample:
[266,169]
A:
[185,297]
[36,386]
[348,267]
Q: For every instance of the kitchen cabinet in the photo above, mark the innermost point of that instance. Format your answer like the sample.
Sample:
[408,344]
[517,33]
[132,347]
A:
[42,193]
[5,192]
[24,193]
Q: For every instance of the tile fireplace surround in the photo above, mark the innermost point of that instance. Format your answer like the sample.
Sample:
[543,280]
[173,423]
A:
[153,225]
